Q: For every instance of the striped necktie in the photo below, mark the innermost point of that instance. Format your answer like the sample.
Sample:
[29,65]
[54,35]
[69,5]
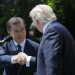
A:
[19,48]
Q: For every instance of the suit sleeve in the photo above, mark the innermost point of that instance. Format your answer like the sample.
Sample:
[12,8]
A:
[52,50]
[35,50]
[5,57]
[32,61]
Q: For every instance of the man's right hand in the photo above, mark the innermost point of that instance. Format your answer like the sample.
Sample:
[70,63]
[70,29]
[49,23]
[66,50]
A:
[19,58]
[14,59]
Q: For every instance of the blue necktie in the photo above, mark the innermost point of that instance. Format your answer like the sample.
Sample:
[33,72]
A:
[19,48]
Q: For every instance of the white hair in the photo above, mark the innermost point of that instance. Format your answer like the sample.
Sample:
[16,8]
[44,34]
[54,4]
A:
[43,12]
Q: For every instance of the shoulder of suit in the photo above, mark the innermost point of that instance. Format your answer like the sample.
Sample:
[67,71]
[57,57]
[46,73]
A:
[32,42]
[8,40]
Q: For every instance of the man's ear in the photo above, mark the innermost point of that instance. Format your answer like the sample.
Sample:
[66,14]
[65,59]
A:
[8,32]
[38,22]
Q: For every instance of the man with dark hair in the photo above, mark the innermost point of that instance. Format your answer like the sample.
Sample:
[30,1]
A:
[12,52]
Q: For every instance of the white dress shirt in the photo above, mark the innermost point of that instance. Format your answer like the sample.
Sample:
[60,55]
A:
[23,46]
[46,25]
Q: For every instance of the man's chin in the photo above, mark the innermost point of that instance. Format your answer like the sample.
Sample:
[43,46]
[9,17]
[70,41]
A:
[19,40]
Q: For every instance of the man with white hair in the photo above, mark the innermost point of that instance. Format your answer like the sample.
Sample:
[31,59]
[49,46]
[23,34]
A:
[56,53]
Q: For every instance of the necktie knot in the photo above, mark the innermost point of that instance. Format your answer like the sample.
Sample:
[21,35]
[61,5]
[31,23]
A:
[19,47]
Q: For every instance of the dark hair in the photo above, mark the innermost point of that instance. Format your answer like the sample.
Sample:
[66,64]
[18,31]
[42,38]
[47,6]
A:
[14,21]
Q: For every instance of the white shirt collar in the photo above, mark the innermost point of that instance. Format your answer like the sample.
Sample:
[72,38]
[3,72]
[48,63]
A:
[45,26]
[22,44]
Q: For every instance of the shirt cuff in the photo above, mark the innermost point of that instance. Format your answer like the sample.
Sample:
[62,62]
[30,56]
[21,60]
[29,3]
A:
[12,60]
[28,61]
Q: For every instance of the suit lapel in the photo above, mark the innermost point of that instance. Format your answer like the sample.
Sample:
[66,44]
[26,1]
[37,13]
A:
[26,46]
[12,47]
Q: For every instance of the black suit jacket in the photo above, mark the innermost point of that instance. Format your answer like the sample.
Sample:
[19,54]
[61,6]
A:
[8,49]
[56,54]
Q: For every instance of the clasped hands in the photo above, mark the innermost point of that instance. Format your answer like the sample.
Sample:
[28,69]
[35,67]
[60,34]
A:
[20,58]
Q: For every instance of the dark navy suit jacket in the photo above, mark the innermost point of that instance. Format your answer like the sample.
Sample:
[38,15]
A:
[8,49]
[56,54]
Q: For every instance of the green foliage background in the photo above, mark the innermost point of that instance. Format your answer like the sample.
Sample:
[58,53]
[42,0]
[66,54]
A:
[64,9]
[65,12]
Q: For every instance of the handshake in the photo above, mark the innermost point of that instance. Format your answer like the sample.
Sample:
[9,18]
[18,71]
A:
[20,58]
